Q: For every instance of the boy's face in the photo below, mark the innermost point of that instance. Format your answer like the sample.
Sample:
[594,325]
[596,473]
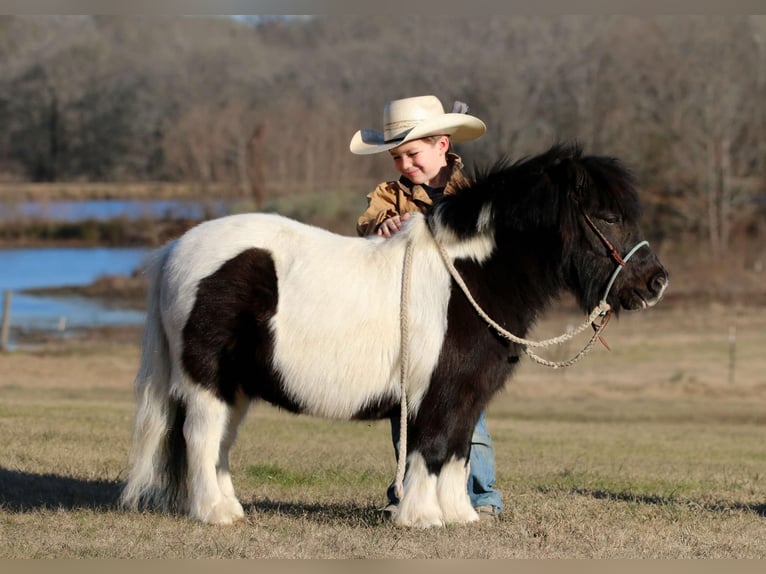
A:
[421,161]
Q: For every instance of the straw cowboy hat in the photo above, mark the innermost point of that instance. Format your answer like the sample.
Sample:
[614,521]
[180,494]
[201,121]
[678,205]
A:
[414,118]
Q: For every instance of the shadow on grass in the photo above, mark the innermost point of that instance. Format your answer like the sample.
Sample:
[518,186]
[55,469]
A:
[712,506]
[24,491]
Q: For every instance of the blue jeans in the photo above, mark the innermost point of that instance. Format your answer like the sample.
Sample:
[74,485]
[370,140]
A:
[481,480]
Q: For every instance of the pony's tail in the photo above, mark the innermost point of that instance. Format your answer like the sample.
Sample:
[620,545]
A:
[157,468]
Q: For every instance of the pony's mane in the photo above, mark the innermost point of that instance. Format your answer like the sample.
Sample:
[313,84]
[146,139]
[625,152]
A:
[526,166]
[614,186]
[536,190]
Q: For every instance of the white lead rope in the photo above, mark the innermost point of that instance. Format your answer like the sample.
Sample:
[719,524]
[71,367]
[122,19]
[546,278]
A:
[405,365]
[601,310]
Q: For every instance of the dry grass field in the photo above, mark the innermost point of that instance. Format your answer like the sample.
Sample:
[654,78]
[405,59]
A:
[655,449]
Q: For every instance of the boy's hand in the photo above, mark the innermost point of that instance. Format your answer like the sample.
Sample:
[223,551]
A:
[393,224]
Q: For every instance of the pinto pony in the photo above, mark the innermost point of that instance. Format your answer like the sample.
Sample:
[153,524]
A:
[257,306]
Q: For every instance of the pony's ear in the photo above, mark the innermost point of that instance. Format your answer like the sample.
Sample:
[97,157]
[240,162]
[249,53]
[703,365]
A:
[570,178]
[569,181]
[563,167]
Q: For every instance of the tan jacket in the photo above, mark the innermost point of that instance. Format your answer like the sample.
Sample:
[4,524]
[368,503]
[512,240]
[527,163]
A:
[401,196]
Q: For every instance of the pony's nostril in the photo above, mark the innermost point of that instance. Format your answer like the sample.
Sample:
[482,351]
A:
[659,282]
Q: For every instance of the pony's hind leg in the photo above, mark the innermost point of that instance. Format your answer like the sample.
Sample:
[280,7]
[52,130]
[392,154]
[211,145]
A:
[236,415]
[206,421]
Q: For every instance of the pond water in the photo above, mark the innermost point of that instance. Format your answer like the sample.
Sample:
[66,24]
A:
[104,209]
[27,268]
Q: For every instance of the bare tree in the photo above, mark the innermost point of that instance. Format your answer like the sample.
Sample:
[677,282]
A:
[269,105]
[716,98]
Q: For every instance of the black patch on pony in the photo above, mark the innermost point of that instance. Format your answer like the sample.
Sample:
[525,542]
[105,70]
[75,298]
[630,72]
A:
[227,343]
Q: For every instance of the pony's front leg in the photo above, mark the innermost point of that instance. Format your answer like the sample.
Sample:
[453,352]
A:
[206,420]
[419,506]
[435,500]
[453,494]
[435,485]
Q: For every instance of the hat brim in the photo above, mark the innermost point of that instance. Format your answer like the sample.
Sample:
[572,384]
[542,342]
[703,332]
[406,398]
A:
[460,127]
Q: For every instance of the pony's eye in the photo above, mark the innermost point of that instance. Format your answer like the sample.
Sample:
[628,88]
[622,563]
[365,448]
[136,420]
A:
[610,218]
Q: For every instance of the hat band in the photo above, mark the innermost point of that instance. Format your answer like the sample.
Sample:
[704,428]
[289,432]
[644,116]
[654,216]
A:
[398,130]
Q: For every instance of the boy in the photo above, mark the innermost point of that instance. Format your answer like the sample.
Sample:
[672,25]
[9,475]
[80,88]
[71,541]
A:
[418,135]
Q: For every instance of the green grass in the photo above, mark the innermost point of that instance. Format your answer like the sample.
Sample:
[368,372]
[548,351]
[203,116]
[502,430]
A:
[276,475]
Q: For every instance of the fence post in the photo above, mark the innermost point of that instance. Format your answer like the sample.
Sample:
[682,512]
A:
[5,325]
[732,353]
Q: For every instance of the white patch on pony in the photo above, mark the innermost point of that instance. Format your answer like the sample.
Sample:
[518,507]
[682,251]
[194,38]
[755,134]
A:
[484,222]
[419,507]
[337,337]
[478,247]
[452,492]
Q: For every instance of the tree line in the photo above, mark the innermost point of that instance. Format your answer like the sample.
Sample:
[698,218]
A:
[268,105]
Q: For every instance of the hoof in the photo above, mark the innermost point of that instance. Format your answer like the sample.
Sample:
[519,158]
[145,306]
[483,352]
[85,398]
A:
[419,521]
[466,517]
[228,511]
[235,508]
